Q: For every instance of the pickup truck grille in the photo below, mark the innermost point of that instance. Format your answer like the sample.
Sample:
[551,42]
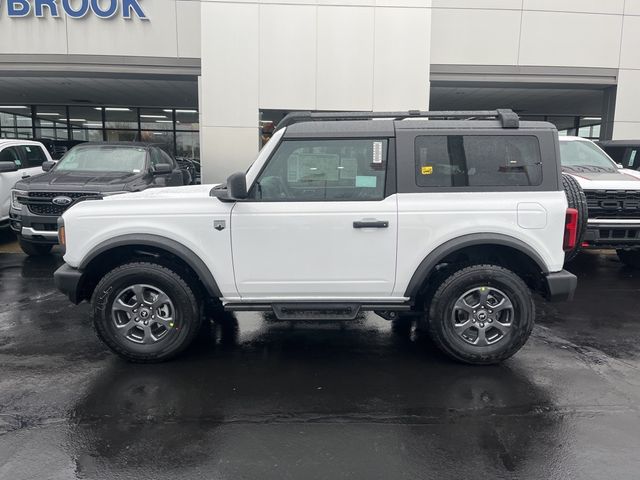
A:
[613,203]
[41,203]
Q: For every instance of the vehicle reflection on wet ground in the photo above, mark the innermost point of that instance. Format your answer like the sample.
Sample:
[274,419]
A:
[264,399]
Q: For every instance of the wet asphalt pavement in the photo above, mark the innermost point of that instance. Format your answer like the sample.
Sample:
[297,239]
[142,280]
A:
[260,399]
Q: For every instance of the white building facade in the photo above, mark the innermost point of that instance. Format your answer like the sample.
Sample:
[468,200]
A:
[203,75]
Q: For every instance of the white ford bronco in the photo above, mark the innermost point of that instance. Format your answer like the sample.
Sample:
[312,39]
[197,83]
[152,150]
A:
[456,218]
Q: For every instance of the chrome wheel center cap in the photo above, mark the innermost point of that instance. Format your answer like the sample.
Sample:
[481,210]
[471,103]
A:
[144,313]
[482,315]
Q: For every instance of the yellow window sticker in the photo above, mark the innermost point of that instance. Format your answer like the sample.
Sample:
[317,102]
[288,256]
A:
[427,170]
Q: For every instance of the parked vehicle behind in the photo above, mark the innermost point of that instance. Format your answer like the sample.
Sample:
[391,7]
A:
[19,159]
[87,171]
[623,152]
[612,195]
[457,221]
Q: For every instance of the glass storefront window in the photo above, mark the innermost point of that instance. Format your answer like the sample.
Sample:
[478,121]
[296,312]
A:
[187,119]
[86,124]
[188,145]
[164,140]
[119,118]
[175,130]
[51,122]
[156,119]
[86,135]
[590,127]
[122,135]
[14,121]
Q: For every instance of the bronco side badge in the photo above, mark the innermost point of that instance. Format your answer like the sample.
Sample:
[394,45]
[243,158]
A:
[219,225]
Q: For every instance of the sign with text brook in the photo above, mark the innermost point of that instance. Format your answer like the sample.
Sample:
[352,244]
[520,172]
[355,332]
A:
[72,8]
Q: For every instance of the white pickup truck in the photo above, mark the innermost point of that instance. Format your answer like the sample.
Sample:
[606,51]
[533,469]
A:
[18,159]
[455,216]
[612,195]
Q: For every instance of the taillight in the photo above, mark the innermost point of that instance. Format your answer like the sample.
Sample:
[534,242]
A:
[570,230]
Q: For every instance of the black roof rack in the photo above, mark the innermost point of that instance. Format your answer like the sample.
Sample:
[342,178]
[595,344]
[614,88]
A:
[508,117]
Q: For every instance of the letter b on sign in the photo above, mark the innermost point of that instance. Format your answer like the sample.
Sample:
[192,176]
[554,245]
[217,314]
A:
[18,8]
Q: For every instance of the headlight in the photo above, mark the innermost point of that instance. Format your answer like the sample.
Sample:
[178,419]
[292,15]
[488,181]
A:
[14,198]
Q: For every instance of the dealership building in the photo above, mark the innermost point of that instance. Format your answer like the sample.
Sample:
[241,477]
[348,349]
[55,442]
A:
[205,78]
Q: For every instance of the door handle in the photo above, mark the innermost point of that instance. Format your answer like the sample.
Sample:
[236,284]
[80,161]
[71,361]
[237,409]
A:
[371,224]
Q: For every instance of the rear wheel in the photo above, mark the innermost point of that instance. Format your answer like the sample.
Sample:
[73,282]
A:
[576,199]
[481,314]
[145,312]
[34,249]
[631,258]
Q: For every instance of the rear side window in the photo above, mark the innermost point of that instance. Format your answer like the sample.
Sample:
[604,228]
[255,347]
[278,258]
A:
[478,161]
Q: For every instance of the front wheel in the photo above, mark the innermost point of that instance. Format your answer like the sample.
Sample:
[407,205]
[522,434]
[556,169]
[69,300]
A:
[481,314]
[145,312]
[34,249]
[630,258]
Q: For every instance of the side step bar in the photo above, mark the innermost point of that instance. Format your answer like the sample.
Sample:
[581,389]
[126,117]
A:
[318,311]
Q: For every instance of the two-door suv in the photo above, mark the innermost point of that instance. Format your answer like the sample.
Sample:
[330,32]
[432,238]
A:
[457,217]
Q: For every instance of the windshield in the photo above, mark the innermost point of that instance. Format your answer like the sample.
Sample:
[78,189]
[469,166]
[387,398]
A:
[107,158]
[582,156]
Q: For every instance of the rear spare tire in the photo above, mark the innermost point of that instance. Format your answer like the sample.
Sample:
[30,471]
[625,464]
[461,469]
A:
[576,199]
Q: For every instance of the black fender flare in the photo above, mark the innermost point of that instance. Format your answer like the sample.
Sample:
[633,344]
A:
[441,252]
[163,243]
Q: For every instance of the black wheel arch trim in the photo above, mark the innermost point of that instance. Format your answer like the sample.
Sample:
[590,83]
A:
[428,264]
[158,241]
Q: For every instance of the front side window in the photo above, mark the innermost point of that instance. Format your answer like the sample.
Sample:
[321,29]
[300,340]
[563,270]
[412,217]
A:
[632,159]
[324,170]
[33,156]
[584,156]
[477,161]
[104,159]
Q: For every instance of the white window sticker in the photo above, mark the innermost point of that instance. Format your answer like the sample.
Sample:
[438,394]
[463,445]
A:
[377,153]
[632,159]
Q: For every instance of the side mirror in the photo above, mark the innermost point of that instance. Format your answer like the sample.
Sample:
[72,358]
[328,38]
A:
[162,168]
[8,167]
[237,186]
[48,165]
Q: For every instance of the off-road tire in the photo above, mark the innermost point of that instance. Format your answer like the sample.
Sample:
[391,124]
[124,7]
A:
[576,199]
[188,315]
[34,249]
[630,258]
[440,311]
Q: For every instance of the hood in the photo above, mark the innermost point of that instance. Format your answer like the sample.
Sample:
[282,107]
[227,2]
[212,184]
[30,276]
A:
[79,181]
[621,180]
[198,191]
